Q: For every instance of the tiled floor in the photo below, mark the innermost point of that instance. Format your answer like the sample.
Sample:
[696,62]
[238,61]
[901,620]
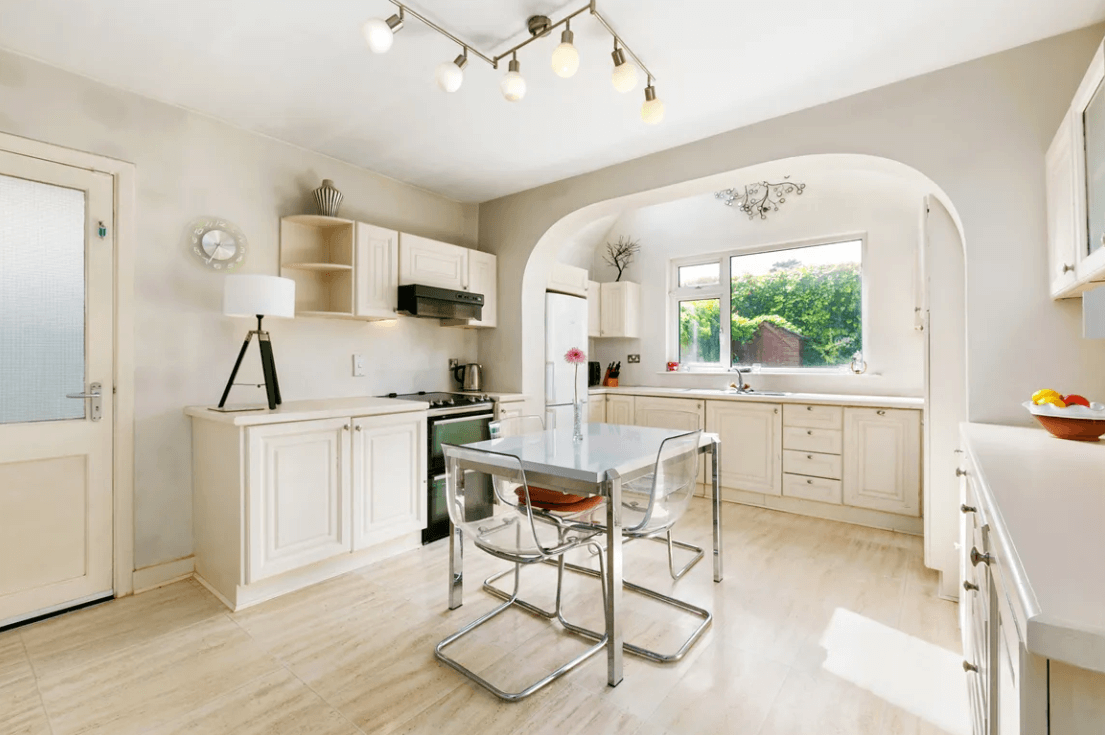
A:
[819,628]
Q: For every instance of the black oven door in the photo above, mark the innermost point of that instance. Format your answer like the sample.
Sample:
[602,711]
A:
[454,430]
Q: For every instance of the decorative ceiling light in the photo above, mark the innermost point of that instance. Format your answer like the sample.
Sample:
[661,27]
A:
[761,197]
[624,76]
[652,111]
[513,85]
[450,74]
[565,58]
[380,34]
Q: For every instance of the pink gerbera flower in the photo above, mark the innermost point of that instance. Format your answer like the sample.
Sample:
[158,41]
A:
[575,356]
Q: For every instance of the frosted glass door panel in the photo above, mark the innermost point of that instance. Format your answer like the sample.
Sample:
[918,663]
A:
[42,301]
[1093,120]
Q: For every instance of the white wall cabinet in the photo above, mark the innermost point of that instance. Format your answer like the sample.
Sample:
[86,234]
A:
[619,309]
[751,437]
[389,478]
[483,278]
[569,279]
[882,460]
[432,263]
[299,495]
[594,319]
[375,272]
[619,409]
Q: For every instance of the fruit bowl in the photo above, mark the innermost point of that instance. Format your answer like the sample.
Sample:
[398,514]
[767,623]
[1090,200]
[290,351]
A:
[1077,423]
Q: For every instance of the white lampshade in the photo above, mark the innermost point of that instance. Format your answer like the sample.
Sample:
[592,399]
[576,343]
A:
[565,57]
[450,74]
[378,34]
[259,296]
[624,77]
[513,85]
[652,111]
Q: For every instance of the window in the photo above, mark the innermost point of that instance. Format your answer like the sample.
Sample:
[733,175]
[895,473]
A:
[798,307]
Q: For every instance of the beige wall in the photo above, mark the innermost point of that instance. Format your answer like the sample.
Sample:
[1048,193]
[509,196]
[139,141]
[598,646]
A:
[189,165]
[978,130]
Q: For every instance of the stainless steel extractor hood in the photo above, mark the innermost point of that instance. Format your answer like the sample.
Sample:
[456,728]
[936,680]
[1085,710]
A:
[439,303]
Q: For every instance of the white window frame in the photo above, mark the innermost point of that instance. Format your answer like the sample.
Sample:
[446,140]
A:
[723,291]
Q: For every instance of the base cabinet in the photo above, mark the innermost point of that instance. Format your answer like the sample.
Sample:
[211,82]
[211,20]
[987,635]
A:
[882,460]
[619,410]
[596,410]
[751,437]
[389,478]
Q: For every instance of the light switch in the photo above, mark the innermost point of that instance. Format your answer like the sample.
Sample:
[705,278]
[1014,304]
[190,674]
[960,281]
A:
[358,366]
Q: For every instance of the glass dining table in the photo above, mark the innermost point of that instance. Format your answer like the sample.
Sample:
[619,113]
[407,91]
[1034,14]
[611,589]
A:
[607,456]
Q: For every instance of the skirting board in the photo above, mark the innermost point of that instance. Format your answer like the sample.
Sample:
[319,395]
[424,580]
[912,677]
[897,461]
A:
[159,575]
[844,513]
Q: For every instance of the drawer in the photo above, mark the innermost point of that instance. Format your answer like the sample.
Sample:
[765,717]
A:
[813,417]
[826,441]
[812,488]
[812,463]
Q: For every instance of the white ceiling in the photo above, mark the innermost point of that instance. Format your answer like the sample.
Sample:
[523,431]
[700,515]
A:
[299,70]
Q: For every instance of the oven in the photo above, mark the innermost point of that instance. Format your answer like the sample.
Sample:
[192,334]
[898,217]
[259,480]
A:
[458,426]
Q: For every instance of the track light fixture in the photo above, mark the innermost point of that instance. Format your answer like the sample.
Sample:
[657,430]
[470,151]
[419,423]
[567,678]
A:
[380,34]
[450,74]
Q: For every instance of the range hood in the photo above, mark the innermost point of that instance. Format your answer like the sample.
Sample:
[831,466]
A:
[439,303]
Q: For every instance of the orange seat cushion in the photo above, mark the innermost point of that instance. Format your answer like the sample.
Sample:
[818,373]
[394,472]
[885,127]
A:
[588,503]
[541,497]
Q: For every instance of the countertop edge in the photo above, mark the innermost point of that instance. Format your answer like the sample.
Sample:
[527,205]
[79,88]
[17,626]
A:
[835,399]
[290,414]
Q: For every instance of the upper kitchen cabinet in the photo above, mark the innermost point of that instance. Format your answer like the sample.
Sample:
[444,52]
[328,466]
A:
[567,279]
[594,319]
[318,254]
[431,263]
[619,309]
[1075,180]
[376,272]
[483,278]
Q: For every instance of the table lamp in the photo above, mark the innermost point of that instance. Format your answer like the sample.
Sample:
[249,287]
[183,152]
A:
[258,296]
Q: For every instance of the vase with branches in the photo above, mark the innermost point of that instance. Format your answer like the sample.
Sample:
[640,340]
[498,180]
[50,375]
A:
[621,253]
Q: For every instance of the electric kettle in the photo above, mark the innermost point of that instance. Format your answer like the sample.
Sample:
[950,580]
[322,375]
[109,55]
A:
[469,376]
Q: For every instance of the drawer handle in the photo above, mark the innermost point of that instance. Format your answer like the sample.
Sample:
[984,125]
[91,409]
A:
[1067,268]
[809,408]
[968,509]
[809,456]
[960,472]
[969,667]
[810,433]
[969,586]
[809,482]
[880,412]
[977,557]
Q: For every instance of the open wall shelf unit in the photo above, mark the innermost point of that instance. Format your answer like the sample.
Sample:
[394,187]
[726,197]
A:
[317,253]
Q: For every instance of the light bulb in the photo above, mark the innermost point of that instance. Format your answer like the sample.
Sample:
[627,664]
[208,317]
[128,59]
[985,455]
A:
[513,86]
[379,34]
[652,111]
[565,58]
[450,74]
[624,76]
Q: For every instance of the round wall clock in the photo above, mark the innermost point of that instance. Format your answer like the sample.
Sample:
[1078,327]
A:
[218,243]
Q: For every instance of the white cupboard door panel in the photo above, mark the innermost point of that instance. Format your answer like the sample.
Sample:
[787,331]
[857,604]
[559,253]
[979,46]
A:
[569,279]
[389,477]
[594,311]
[377,271]
[812,488]
[483,278]
[596,410]
[882,460]
[684,414]
[432,263]
[619,309]
[813,464]
[813,417]
[827,441]
[751,444]
[619,410]
[1061,225]
[299,495]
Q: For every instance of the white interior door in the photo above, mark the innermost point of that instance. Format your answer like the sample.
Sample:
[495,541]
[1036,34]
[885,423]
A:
[56,339]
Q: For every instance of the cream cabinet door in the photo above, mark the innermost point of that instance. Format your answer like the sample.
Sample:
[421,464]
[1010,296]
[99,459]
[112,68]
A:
[298,495]
[619,309]
[882,459]
[594,318]
[432,263]
[389,477]
[376,272]
[568,279]
[619,410]
[669,413]
[596,409]
[483,278]
[751,437]
[1061,226]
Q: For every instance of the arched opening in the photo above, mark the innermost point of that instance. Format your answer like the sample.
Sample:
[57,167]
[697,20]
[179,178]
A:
[929,362]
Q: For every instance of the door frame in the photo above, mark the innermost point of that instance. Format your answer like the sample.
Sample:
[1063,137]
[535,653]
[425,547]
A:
[124,236]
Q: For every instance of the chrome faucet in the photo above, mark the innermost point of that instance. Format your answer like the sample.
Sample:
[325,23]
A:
[741,385]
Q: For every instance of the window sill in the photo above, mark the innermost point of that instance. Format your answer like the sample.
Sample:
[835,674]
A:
[796,372]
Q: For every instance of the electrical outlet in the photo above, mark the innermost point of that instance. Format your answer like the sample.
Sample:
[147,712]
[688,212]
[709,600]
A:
[454,362]
[358,366]
[633,358]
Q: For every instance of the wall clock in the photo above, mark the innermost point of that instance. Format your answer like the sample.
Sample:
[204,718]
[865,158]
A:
[218,243]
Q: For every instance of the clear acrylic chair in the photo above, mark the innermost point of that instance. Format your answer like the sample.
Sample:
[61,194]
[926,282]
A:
[516,529]
[651,505]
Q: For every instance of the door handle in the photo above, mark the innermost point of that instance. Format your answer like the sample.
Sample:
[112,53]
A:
[95,393]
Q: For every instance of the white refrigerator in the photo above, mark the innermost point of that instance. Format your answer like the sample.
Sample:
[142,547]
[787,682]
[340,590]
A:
[565,328]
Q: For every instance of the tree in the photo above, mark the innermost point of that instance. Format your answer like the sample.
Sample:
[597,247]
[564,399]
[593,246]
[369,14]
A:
[620,254]
[783,265]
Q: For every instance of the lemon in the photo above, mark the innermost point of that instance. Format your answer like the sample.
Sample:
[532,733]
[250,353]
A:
[1039,396]
[1053,400]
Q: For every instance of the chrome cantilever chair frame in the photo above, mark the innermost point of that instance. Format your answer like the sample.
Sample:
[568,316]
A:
[565,542]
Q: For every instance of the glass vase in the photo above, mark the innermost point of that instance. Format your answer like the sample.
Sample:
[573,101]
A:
[577,421]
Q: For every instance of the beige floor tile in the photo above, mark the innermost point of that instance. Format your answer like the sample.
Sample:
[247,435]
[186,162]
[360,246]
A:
[14,663]
[818,703]
[137,688]
[21,710]
[275,704]
[84,636]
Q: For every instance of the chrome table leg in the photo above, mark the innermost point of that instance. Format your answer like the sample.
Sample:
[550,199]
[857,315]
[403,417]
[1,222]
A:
[614,653]
[715,455]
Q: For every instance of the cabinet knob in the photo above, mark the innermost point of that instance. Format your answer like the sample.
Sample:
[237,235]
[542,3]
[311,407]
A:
[809,408]
[880,412]
[357,427]
[809,456]
[345,428]
[809,482]
[960,472]
[976,558]
[969,586]
[810,433]
[969,667]
[1067,267]
[968,509]
[776,410]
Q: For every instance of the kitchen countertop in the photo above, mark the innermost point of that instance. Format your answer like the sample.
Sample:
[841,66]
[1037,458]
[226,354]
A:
[1045,502]
[501,397]
[721,395]
[322,408]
